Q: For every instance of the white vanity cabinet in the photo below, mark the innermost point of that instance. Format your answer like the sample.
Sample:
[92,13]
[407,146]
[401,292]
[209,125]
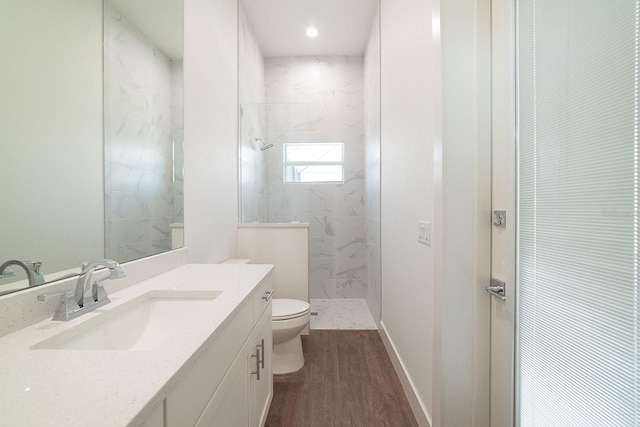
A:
[221,388]
[262,388]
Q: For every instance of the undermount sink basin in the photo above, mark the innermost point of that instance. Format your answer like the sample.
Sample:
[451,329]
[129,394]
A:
[137,325]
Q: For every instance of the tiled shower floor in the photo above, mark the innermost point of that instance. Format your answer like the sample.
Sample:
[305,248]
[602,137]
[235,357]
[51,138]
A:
[350,313]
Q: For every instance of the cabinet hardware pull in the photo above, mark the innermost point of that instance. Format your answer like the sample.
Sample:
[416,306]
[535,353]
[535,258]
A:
[257,371]
[267,295]
[261,348]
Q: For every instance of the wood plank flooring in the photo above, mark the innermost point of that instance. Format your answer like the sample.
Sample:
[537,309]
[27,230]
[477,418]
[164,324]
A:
[347,380]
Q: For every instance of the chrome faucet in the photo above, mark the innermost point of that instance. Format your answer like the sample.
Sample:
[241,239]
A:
[33,270]
[86,279]
[89,293]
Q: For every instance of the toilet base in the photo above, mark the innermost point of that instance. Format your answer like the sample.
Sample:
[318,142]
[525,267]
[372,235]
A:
[287,357]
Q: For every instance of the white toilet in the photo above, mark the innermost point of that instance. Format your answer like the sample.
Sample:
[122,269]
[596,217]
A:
[289,318]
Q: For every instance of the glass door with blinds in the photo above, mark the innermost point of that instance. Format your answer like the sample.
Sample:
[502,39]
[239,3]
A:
[578,299]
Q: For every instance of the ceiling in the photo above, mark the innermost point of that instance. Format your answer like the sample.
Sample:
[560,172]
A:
[344,26]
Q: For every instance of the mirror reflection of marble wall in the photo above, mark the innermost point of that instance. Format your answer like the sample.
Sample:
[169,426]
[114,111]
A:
[143,136]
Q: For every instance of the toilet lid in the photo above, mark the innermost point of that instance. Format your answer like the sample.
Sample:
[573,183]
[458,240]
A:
[283,309]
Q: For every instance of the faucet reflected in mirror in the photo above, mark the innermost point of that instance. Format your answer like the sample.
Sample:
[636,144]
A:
[31,268]
[117,104]
[89,294]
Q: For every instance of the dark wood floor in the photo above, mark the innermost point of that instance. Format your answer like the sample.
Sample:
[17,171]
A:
[347,380]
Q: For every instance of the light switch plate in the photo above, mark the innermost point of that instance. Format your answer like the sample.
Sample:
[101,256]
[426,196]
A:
[424,232]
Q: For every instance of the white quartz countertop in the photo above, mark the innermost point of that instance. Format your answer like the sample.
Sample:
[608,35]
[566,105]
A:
[114,388]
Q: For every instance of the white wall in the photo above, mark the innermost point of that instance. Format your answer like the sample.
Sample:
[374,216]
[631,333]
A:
[407,142]
[436,166]
[211,124]
[372,167]
[51,119]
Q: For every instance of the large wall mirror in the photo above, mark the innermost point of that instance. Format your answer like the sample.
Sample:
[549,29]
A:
[91,166]
[310,134]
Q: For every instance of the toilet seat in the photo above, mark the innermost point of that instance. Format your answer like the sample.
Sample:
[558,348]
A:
[285,309]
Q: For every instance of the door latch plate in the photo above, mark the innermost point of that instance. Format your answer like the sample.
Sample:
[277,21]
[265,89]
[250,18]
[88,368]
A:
[500,218]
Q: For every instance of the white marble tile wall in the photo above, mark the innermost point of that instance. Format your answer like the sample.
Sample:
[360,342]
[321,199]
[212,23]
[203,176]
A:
[320,99]
[372,167]
[138,128]
[253,164]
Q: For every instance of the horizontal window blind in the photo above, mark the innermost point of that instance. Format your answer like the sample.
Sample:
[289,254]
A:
[577,304]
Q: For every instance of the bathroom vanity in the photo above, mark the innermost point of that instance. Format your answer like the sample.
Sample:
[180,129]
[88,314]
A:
[188,347]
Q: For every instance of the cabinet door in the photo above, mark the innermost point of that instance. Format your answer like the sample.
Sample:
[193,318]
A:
[191,395]
[262,390]
[230,405]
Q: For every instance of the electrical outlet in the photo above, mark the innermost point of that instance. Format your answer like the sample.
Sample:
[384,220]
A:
[424,232]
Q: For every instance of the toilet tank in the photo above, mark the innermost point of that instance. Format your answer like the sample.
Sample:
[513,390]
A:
[286,246]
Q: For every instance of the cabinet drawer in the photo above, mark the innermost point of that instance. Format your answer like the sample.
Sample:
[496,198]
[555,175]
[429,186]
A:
[189,397]
[262,296]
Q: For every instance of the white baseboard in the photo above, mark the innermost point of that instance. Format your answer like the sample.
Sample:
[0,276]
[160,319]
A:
[419,411]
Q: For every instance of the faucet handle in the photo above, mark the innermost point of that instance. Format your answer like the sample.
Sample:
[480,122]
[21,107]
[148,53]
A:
[37,266]
[67,308]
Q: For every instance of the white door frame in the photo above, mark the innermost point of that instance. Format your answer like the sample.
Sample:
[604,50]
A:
[503,259]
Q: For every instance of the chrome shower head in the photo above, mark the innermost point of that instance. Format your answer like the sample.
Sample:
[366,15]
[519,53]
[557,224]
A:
[263,145]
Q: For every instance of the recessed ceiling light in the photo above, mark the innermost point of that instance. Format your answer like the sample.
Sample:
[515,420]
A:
[312,32]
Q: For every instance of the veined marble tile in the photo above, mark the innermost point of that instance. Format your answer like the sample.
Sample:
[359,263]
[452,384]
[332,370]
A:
[350,269]
[321,124]
[322,268]
[324,200]
[321,226]
[313,72]
[299,205]
[373,231]
[128,252]
[322,288]
[348,228]
[278,79]
[322,247]
[349,97]
[317,99]
[283,219]
[331,91]
[144,95]
[350,121]
[160,229]
[125,204]
[159,246]
[354,248]
[341,314]
[351,288]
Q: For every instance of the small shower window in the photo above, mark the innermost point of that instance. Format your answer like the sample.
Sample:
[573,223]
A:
[313,162]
